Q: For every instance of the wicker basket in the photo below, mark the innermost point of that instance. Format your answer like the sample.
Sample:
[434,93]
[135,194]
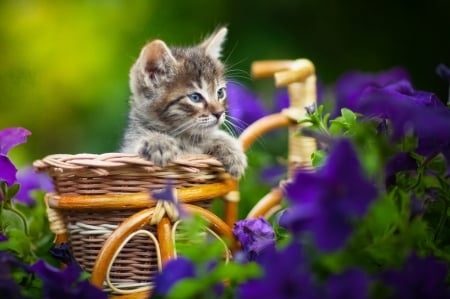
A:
[102,206]
[121,235]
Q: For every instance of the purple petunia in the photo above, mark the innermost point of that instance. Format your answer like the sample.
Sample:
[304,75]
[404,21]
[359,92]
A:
[62,253]
[65,283]
[410,111]
[9,138]
[273,174]
[168,195]
[404,91]
[255,235]
[30,181]
[325,203]
[281,100]
[3,237]
[285,277]
[244,106]
[351,85]
[401,161]
[419,278]
[353,283]
[8,287]
[174,271]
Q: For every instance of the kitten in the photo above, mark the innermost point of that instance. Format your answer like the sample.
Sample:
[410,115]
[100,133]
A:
[178,103]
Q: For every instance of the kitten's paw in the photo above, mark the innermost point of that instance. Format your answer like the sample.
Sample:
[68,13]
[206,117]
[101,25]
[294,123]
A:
[160,152]
[235,163]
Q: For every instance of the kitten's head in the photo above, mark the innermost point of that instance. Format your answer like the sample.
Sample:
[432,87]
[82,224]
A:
[180,90]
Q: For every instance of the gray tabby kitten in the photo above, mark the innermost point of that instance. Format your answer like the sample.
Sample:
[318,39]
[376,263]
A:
[178,103]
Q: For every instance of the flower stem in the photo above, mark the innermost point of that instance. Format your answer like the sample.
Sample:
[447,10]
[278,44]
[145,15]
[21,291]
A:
[22,217]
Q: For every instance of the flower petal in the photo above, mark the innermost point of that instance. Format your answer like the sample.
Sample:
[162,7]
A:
[29,181]
[7,170]
[173,271]
[10,137]
[244,106]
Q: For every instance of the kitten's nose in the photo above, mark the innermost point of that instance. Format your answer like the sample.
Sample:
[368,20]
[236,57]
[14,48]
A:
[217,114]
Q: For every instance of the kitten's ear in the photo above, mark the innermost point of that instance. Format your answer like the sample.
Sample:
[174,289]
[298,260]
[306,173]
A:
[213,44]
[156,60]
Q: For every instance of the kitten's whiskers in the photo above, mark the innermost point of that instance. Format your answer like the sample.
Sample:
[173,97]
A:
[183,128]
[230,128]
[237,124]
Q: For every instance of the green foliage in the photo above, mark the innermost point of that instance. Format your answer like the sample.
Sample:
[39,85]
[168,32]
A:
[212,270]
[410,216]
[203,287]
[27,228]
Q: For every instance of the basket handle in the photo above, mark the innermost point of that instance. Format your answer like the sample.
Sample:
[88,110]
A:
[299,77]
[136,222]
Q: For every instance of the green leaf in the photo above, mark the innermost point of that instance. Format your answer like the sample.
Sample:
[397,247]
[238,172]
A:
[409,143]
[349,116]
[235,272]
[19,243]
[318,158]
[337,126]
[382,219]
[430,181]
[195,241]
[437,165]
[12,191]
[11,220]
[3,187]
[188,288]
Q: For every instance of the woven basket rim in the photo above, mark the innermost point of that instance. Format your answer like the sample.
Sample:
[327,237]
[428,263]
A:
[60,163]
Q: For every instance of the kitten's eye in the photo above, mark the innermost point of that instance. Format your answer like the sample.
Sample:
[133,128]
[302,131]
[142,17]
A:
[195,97]
[221,93]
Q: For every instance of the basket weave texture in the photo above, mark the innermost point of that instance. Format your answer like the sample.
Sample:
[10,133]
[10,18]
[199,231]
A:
[89,175]
[112,173]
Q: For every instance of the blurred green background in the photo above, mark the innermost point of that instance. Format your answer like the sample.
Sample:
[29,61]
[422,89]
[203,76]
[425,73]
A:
[64,64]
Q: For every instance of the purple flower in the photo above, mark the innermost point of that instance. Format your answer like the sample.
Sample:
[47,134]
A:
[281,100]
[325,203]
[350,86]
[30,181]
[272,175]
[3,237]
[255,236]
[168,194]
[173,271]
[285,277]
[419,278]
[8,287]
[181,268]
[401,161]
[9,138]
[404,91]
[244,106]
[353,283]
[62,253]
[410,111]
[65,283]
[7,172]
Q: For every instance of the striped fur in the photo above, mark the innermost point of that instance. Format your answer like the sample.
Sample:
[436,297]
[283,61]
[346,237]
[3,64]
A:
[178,103]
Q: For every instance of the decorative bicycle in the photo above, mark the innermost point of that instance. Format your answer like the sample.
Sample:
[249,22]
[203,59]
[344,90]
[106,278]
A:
[122,234]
